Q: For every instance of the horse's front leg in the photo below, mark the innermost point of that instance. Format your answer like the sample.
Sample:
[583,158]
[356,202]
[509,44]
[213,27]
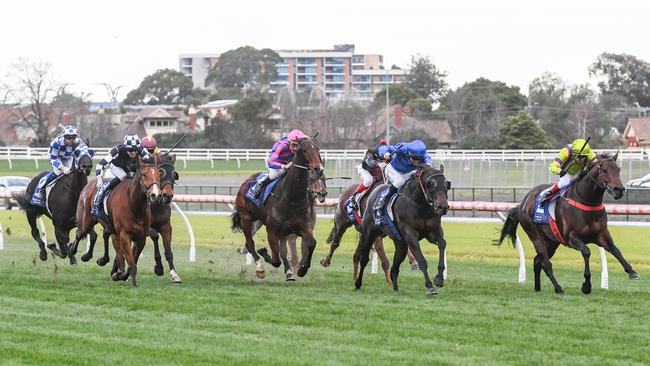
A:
[158,267]
[62,239]
[274,244]
[285,261]
[166,233]
[437,237]
[411,237]
[308,243]
[580,246]
[605,240]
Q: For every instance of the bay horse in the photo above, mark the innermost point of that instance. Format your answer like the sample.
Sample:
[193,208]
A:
[341,225]
[288,210]
[62,202]
[418,209]
[581,219]
[129,216]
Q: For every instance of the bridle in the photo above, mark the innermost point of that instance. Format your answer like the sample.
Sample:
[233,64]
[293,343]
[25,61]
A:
[427,197]
[167,180]
[604,186]
[142,185]
[313,175]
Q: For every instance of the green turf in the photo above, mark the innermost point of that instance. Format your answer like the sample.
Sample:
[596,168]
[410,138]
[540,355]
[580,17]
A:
[53,313]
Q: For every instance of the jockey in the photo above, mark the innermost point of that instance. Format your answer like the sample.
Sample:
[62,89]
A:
[370,170]
[279,159]
[571,160]
[122,159]
[63,150]
[401,169]
[150,143]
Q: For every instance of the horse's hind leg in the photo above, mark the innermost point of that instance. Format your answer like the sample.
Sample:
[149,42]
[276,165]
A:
[537,270]
[607,243]
[438,237]
[363,252]
[247,227]
[340,226]
[385,263]
[91,248]
[547,266]
[31,219]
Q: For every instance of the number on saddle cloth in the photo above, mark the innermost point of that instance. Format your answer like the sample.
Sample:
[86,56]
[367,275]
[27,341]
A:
[542,211]
[259,201]
[387,214]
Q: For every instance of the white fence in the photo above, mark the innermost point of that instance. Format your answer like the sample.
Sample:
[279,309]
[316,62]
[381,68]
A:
[29,153]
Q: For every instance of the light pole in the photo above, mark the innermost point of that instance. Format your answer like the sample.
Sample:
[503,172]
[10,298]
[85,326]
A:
[388,114]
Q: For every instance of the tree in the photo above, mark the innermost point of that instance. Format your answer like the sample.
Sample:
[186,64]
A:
[624,75]
[243,71]
[420,108]
[31,87]
[165,86]
[398,94]
[520,131]
[476,109]
[246,129]
[426,79]
[416,134]
[549,101]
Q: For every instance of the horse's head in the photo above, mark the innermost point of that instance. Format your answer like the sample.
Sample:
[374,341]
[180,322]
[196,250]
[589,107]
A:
[308,157]
[606,173]
[168,176]
[84,163]
[434,187]
[149,178]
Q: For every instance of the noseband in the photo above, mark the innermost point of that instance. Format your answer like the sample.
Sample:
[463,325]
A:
[146,188]
[600,171]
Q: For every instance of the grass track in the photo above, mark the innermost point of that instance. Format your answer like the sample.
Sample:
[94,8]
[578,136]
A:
[53,313]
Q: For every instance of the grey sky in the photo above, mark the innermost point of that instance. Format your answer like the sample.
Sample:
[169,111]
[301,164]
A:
[119,42]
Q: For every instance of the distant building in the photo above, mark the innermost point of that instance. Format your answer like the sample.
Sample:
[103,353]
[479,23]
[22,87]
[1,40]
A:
[155,120]
[196,66]
[335,71]
[637,132]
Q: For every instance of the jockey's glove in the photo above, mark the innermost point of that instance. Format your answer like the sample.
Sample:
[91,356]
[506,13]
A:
[99,182]
[554,169]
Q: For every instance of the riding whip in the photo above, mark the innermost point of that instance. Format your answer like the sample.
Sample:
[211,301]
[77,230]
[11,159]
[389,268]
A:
[176,144]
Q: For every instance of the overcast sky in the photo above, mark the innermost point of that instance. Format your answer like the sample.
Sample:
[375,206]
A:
[120,42]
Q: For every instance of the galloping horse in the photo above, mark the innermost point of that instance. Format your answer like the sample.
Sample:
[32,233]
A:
[581,219]
[288,210]
[160,221]
[62,203]
[417,210]
[129,216]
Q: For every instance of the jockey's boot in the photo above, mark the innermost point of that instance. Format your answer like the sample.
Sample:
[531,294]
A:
[548,192]
[38,198]
[381,203]
[354,205]
[260,187]
[99,198]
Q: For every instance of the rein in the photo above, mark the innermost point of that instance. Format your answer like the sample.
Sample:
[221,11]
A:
[427,197]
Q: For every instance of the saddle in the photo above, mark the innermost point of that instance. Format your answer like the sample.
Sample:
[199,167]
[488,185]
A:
[36,197]
[388,216]
[259,201]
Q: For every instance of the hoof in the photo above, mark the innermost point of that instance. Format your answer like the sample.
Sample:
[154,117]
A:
[116,276]
[42,255]
[634,276]
[432,291]
[260,274]
[357,285]
[586,288]
[324,263]
[102,261]
[86,257]
[559,291]
[73,260]
[52,247]
[291,277]
[439,281]
[158,270]
[302,271]
[175,278]
[415,267]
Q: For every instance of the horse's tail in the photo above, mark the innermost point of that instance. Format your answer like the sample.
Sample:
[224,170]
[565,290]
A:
[236,222]
[23,199]
[509,227]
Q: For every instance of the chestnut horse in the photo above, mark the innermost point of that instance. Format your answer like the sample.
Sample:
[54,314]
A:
[288,210]
[581,219]
[129,216]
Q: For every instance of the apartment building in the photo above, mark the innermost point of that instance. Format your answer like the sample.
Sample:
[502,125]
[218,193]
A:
[196,66]
[336,71]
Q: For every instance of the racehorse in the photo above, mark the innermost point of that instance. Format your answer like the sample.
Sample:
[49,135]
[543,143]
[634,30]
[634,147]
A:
[160,221]
[288,210]
[341,224]
[581,219]
[128,217]
[62,203]
[417,209]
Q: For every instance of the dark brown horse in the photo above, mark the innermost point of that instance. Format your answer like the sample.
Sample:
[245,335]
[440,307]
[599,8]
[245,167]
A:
[581,219]
[289,210]
[62,202]
[418,210]
[341,225]
[129,216]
